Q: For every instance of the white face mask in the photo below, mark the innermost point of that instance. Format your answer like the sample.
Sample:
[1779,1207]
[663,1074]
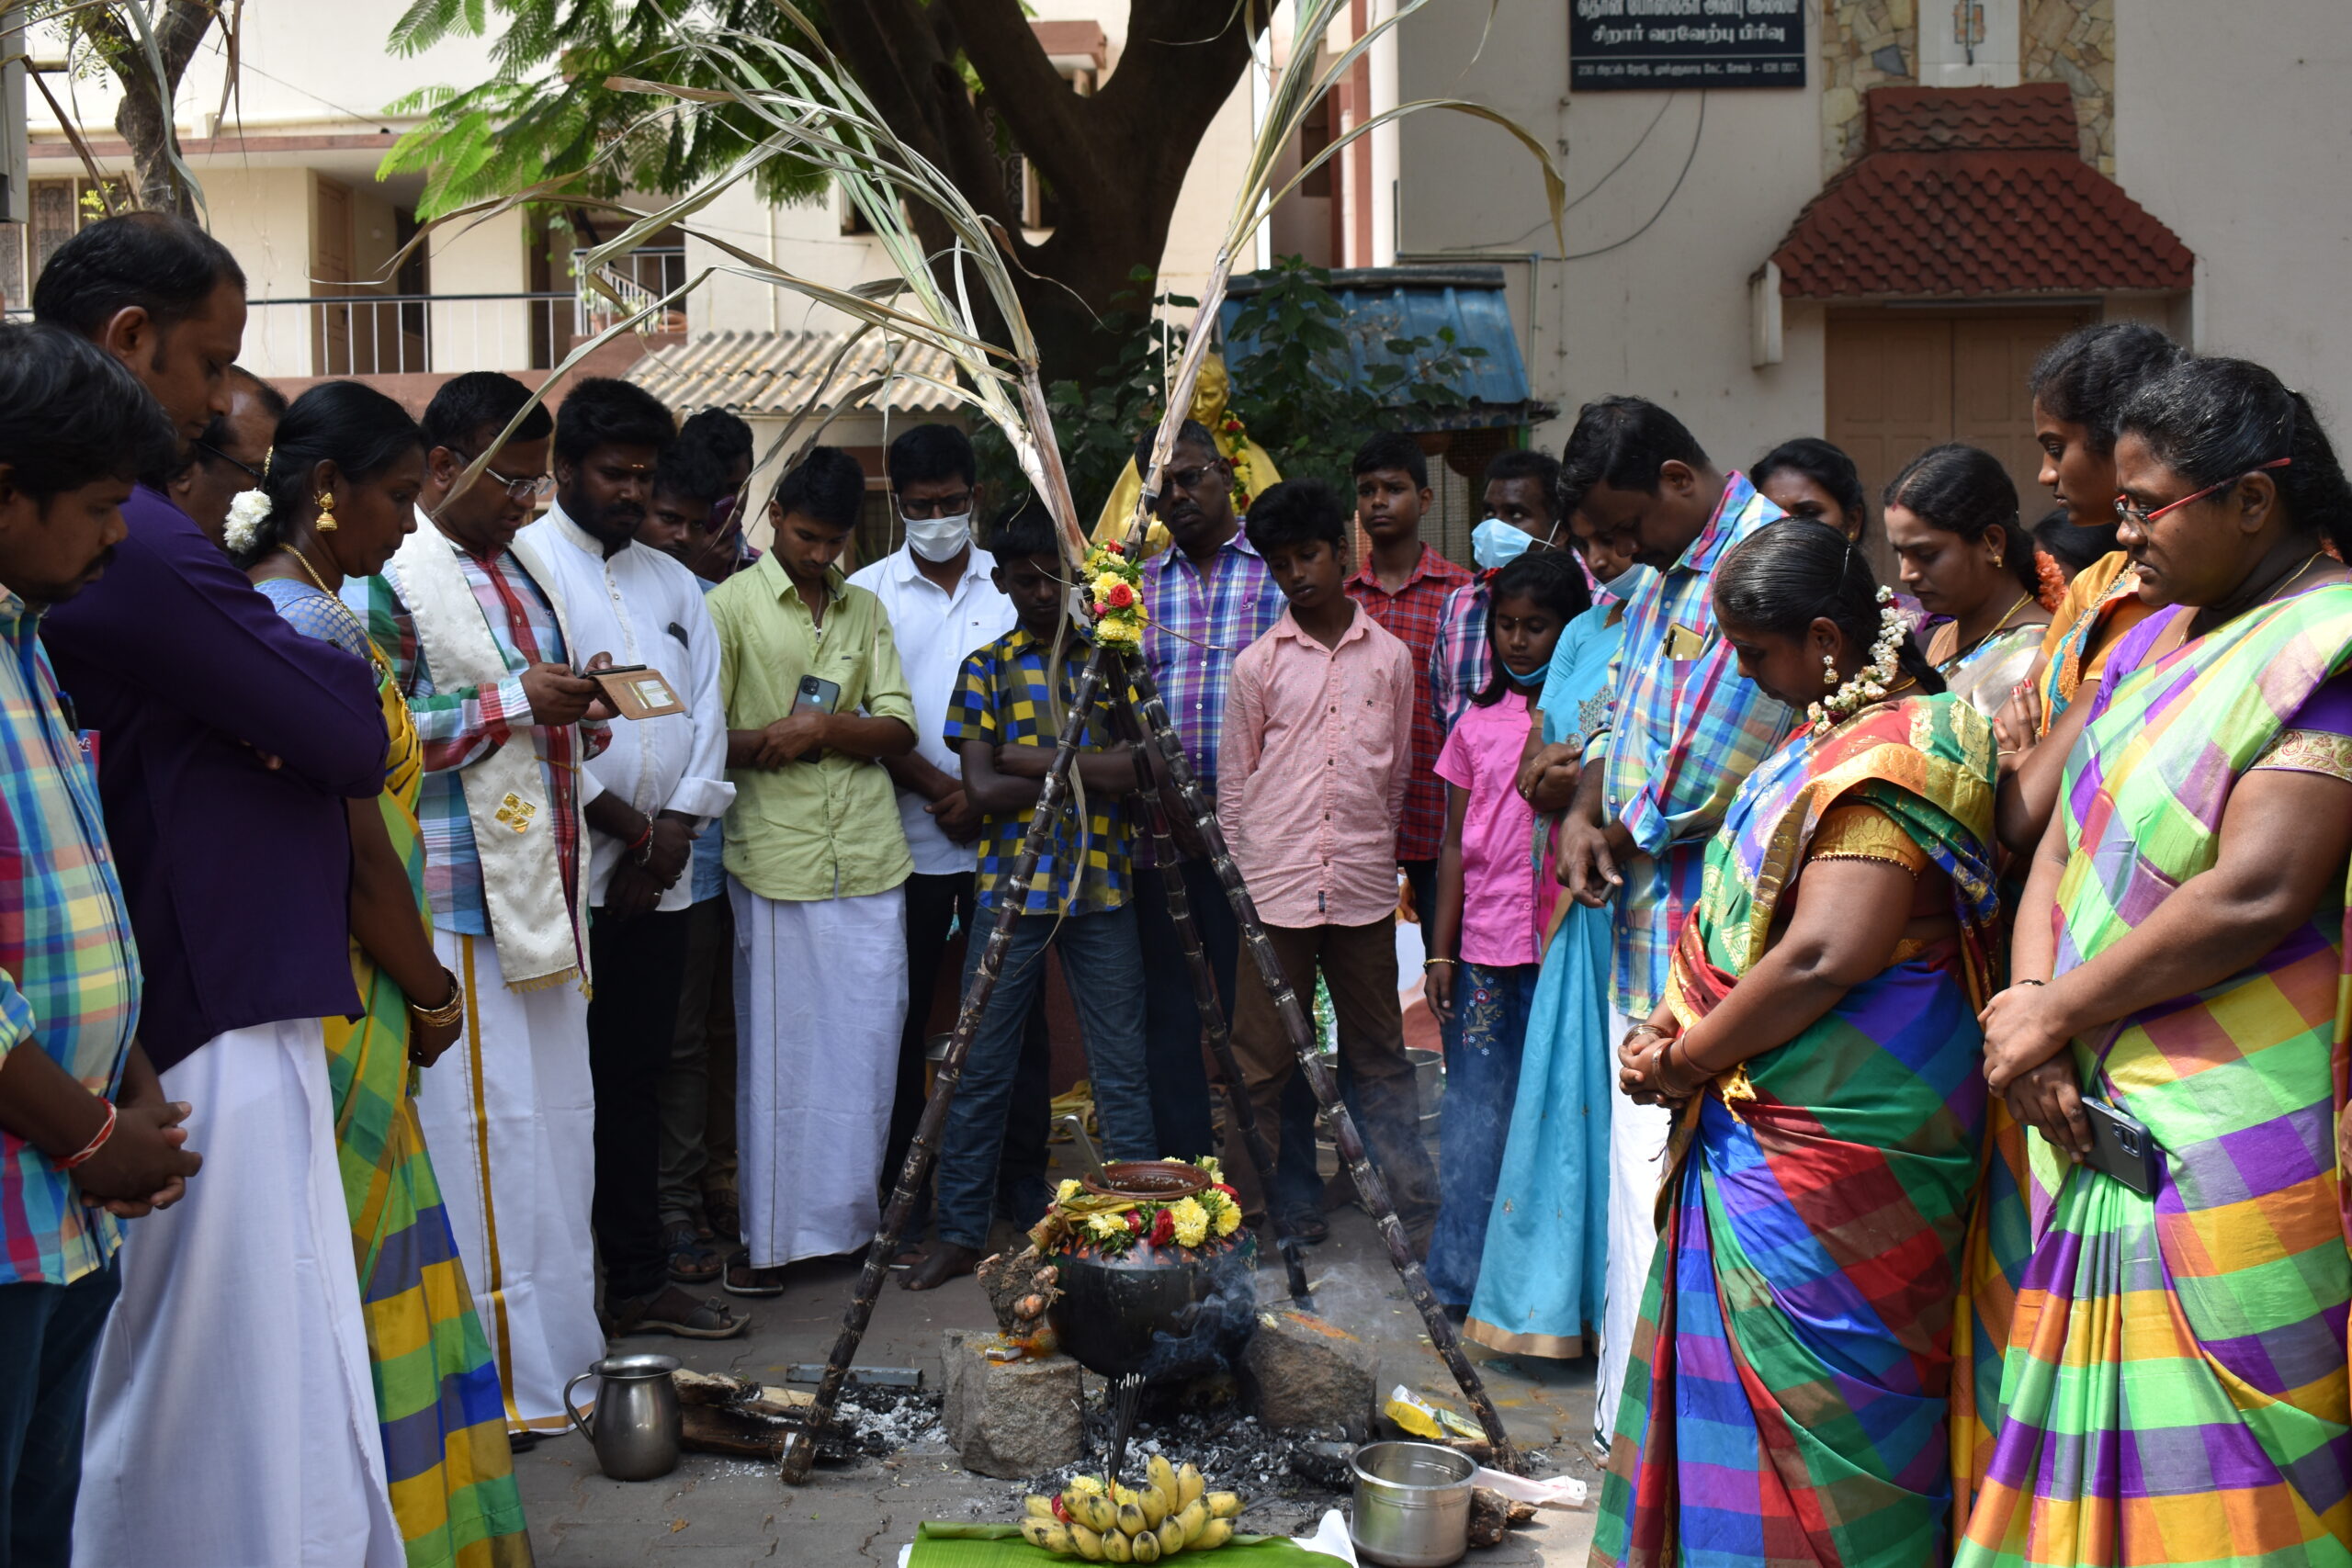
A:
[938,538]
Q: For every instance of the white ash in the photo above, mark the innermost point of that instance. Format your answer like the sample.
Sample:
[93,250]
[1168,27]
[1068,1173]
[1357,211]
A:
[879,1421]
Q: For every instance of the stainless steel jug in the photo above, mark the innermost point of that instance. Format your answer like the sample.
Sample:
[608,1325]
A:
[635,1429]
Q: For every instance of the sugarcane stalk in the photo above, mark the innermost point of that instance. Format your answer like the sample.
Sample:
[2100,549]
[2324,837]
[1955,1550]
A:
[1211,1006]
[1370,1184]
[800,1447]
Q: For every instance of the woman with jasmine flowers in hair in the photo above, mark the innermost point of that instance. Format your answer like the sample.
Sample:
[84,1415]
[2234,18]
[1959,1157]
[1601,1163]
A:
[338,494]
[1786,1397]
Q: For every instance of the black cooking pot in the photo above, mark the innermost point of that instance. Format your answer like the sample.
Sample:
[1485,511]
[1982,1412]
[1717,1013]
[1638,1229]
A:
[1161,1312]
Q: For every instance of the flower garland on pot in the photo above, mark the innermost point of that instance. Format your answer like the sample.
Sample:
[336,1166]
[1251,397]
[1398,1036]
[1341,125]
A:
[1100,1225]
[1113,584]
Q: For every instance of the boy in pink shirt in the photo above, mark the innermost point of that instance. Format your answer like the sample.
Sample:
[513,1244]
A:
[1317,751]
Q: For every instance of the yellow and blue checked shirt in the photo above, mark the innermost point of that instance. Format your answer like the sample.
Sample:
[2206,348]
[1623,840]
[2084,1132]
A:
[1002,698]
[69,973]
[1686,730]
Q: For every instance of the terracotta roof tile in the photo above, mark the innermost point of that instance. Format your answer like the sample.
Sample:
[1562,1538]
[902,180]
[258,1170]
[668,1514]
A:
[1975,191]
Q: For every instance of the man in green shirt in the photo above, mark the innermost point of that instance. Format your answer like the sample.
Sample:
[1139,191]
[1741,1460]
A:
[816,858]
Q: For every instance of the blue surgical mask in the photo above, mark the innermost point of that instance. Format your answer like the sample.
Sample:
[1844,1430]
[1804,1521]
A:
[1532,681]
[1496,543]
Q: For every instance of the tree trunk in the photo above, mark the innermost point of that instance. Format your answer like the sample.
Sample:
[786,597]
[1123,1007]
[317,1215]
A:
[145,118]
[1115,159]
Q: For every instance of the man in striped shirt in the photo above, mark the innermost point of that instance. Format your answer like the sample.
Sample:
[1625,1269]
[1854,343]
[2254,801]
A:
[1208,597]
[1686,731]
[87,1137]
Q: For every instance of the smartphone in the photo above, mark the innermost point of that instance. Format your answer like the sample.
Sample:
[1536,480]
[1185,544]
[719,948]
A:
[817,695]
[2122,1147]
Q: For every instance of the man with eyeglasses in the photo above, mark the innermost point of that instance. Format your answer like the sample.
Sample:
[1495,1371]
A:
[481,646]
[225,461]
[1209,597]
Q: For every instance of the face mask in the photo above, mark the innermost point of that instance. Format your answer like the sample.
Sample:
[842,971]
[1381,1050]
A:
[939,538]
[1531,680]
[1496,543]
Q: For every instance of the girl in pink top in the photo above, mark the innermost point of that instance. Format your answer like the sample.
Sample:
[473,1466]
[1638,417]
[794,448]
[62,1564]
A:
[1494,896]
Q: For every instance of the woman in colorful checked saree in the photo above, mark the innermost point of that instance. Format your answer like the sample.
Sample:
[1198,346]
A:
[2173,1383]
[1786,1402]
[342,484]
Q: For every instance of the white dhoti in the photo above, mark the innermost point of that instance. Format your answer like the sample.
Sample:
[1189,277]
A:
[1637,1135]
[820,997]
[232,1411]
[509,1115]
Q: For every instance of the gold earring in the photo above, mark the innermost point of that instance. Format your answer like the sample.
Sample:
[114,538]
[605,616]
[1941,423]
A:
[1996,563]
[1829,670]
[326,523]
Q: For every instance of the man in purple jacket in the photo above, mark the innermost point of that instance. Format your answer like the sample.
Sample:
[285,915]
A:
[227,743]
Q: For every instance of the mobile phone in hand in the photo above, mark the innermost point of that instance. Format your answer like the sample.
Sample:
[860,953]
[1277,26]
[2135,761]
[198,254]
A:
[2124,1148]
[817,695]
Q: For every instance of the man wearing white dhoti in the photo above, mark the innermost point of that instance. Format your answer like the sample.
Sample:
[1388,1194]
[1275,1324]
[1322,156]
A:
[658,785]
[232,1416]
[1685,728]
[817,864]
[479,646]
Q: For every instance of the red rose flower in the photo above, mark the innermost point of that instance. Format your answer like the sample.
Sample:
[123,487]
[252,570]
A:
[1135,1220]
[1120,597]
[1163,1229]
[1228,1191]
[1115,547]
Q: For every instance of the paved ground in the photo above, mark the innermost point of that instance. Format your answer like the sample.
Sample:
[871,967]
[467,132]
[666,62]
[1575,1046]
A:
[721,1511]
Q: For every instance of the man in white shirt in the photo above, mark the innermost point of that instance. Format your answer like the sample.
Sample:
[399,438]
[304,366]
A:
[661,781]
[936,590]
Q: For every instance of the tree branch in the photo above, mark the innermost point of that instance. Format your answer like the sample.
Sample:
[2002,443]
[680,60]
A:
[1044,113]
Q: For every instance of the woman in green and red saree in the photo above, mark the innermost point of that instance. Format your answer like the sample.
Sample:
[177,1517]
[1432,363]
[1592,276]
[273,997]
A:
[1788,1397]
[2173,1383]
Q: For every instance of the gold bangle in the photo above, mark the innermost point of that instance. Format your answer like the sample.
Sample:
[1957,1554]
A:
[448,1012]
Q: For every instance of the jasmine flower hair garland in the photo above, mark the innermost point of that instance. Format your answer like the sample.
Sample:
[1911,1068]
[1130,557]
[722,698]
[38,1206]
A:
[247,511]
[1874,680]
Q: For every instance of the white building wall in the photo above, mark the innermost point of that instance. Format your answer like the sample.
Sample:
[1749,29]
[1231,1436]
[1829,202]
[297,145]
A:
[2234,128]
[1664,314]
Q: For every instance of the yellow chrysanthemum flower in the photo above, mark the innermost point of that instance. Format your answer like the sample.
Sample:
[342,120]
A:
[1229,1220]
[1191,1222]
[1067,1191]
[1108,1225]
[1087,1484]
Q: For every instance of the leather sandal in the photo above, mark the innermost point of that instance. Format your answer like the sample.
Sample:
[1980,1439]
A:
[670,1311]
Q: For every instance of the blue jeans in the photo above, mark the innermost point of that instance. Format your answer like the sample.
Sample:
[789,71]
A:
[49,1340]
[1483,1045]
[1103,964]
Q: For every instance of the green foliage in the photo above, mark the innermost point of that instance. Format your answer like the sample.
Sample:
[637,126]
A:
[546,112]
[1300,394]
[1303,396]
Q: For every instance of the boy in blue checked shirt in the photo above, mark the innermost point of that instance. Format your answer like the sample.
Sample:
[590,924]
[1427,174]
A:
[1003,721]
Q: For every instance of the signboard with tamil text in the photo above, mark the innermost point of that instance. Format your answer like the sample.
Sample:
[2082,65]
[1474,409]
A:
[1620,44]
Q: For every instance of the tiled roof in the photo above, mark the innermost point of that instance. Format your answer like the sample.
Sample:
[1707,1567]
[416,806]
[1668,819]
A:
[1975,191]
[777,374]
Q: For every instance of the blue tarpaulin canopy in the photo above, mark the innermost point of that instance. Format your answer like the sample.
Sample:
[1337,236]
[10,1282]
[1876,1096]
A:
[1386,302]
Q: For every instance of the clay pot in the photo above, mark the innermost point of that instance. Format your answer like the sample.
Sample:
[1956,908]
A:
[1161,1311]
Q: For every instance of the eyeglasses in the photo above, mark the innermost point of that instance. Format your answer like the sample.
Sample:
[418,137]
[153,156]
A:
[245,469]
[537,487]
[945,506]
[2127,512]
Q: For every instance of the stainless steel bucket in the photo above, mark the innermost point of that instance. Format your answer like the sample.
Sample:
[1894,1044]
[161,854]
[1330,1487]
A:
[1412,1504]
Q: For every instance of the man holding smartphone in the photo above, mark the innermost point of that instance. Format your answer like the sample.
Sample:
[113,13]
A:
[816,866]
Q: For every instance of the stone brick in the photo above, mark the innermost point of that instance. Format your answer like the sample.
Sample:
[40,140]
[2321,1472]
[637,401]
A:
[1302,1373]
[1011,1419]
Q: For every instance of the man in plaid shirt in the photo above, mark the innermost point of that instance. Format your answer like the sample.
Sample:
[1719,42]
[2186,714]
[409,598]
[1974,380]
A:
[1209,597]
[517,1084]
[1687,728]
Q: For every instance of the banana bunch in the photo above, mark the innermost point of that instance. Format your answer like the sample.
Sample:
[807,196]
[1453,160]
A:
[1175,1512]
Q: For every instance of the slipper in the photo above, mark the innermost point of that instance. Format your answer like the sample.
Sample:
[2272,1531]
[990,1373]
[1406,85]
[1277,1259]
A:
[691,1262]
[742,1280]
[686,1317]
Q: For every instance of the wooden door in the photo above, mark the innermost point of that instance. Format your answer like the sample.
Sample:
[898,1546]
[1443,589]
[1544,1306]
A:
[1900,381]
[330,350]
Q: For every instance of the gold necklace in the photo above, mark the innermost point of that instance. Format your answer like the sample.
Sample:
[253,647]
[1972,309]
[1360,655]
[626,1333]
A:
[375,655]
[1959,654]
